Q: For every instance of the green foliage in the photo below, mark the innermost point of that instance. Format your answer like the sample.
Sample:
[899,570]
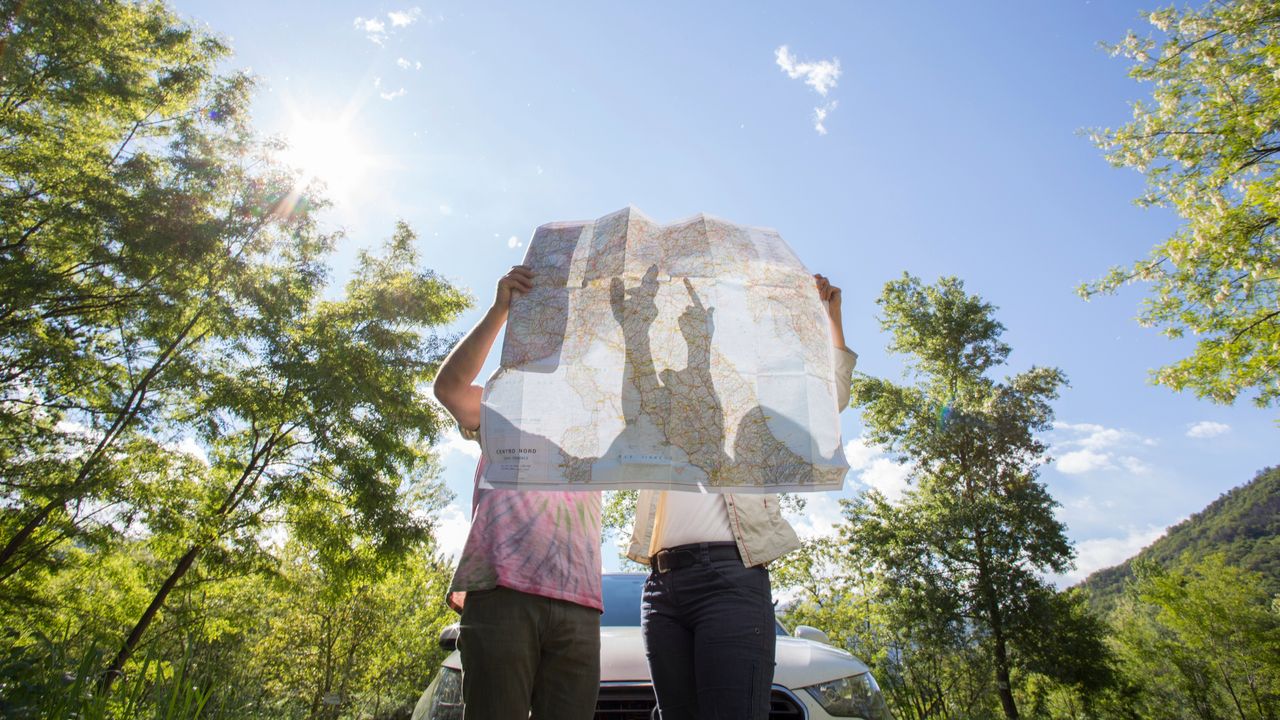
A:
[1243,526]
[318,645]
[617,513]
[296,643]
[958,561]
[129,207]
[1200,642]
[209,459]
[1207,142]
[924,673]
[941,591]
[159,689]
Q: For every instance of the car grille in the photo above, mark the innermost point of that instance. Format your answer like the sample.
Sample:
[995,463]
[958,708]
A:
[625,701]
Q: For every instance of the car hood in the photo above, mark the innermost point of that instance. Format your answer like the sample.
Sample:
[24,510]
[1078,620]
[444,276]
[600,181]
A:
[799,662]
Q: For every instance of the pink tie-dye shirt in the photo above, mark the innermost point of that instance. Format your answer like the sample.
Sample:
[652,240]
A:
[541,543]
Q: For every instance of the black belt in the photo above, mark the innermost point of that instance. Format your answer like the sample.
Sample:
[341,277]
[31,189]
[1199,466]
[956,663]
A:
[683,556]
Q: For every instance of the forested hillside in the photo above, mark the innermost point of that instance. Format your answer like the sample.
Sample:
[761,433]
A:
[1243,525]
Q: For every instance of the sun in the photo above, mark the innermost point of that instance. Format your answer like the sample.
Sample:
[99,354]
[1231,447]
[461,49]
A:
[327,152]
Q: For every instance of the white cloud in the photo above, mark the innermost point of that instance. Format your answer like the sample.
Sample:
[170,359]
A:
[514,242]
[446,210]
[1098,553]
[1086,447]
[401,18]
[370,25]
[373,28]
[451,530]
[393,94]
[1084,503]
[71,427]
[820,517]
[1135,465]
[887,476]
[820,116]
[188,446]
[859,453]
[404,64]
[1207,429]
[1095,437]
[453,442]
[822,75]
[875,470]
[1083,461]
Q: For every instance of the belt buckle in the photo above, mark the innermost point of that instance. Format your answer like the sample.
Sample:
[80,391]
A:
[658,562]
[662,561]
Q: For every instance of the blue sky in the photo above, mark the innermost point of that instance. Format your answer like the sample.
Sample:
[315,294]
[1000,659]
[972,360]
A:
[951,145]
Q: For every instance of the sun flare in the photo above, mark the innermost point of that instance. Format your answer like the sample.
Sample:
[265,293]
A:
[327,152]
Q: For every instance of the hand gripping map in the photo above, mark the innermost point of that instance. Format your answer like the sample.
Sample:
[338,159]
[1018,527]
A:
[693,356]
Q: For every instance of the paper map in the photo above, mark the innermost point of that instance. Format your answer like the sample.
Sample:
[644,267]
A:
[693,356]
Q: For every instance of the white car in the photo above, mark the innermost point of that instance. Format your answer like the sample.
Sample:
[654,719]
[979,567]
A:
[812,679]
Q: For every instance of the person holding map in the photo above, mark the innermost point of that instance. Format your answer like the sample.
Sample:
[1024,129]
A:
[528,581]
[707,613]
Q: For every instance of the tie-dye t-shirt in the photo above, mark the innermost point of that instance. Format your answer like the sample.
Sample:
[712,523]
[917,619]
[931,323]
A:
[541,543]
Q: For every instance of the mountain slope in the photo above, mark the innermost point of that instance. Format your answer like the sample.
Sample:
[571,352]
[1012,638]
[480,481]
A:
[1243,524]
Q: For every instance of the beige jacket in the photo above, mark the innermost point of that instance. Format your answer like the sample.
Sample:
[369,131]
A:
[758,526]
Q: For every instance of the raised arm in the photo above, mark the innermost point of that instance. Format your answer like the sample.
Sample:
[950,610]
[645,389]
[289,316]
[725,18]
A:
[830,295]
[455,386]
[845,358]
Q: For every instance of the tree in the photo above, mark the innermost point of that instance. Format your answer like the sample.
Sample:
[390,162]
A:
[127,191]
[313,413]
[163,283]
[343,637]
[356,645]
[1208,142]
[962,554]
[1201,642]
[927,671]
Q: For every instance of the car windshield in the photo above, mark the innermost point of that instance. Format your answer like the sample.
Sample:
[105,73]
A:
[622,601]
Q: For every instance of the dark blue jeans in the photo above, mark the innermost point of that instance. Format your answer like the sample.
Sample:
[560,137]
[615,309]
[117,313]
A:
[709,636]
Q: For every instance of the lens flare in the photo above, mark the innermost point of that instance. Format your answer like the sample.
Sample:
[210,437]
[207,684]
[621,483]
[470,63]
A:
[944,413]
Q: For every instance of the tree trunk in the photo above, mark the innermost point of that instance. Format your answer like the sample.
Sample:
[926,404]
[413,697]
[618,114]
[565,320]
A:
[248,478]
[23,535]
[994,618]
[116,669]
[1231,690]
[1002,679]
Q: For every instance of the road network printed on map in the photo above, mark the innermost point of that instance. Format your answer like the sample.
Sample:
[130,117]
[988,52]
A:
[692,356]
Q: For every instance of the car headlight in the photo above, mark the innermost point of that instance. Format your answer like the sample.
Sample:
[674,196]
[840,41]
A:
[446,704]
[856,696]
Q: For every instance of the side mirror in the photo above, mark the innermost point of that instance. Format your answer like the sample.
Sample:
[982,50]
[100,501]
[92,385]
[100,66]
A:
[808,632]
[449,637]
